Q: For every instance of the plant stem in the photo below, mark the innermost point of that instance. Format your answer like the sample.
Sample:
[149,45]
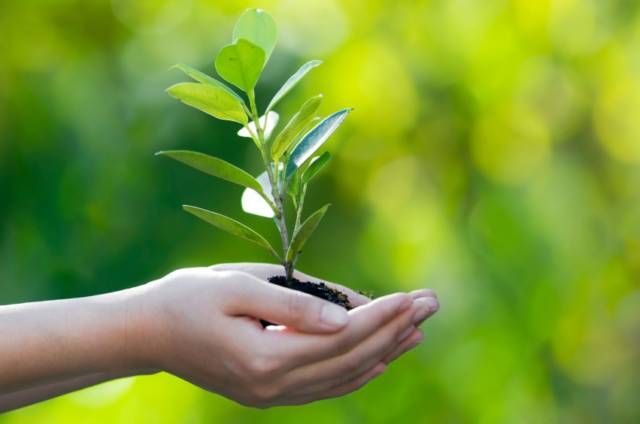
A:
[299,208]
[277,189]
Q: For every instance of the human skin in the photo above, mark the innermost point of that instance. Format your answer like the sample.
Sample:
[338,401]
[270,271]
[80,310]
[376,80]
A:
[202,325]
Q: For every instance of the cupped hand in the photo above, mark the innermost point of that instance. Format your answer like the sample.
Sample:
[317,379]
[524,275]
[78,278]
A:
[204,327]
[424,300]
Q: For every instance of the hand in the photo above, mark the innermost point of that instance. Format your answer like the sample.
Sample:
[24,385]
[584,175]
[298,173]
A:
[425,300]
[203,327]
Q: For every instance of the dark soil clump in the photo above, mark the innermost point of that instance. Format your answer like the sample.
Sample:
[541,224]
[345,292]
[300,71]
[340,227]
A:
[320,290]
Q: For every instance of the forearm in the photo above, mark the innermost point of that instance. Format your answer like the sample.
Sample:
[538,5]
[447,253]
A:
[46,343]
[28,396]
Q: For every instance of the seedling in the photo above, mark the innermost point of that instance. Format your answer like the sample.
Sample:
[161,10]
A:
[289,155]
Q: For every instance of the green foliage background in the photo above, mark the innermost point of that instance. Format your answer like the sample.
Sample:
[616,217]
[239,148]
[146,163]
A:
[493,154]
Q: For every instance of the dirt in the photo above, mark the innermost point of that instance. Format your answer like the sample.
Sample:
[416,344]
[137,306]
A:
[319,289]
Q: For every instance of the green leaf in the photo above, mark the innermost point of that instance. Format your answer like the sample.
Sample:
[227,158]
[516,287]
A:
[241,64]
[305,230]
[316,165]
[211,100]
[295,125]
[307,127]
[310,124]
[231,226]
[214,166]
[293,188]
[205,79]
[313,139]
[257,26]
[292,81]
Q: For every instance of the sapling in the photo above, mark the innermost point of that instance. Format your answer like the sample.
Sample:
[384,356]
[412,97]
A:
[289,154]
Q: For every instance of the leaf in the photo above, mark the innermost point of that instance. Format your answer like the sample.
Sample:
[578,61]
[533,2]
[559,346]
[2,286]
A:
[294,126]
[309,125]
[313,139]
[241,64]
[210,99]
[292,81]
[231,226]
[214,166]
[293,188]
[257,26]
[205,79]
[268,122]
[254,203]
[303,233]
[316,165]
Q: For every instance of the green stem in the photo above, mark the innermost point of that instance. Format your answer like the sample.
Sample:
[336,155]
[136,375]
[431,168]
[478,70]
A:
[299,209]
[276,188]
[255,116]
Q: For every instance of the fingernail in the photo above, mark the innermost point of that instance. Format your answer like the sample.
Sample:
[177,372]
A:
[417,294]
[433,303]
[405,334]
[333,315]
[424,306]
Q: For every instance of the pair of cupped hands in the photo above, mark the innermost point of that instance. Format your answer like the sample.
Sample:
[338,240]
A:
[318,351]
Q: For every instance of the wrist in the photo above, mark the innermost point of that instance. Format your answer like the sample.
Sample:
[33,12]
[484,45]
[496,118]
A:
[139,331]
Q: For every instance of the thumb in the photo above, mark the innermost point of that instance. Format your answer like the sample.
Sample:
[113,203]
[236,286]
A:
[306,313]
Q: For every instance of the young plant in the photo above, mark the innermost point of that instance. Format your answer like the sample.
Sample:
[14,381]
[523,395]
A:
[289,155]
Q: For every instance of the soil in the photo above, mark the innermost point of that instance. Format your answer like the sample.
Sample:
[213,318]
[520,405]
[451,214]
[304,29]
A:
[320,290]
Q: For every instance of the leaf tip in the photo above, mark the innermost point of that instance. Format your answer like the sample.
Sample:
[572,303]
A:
[171,90]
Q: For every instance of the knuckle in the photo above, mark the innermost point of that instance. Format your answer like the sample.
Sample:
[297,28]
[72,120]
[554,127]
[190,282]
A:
[262,406]
[220,267]
[263,395]
[351,363]
[226,275]
[342,344]
[252,401]
[235,283]
[182,272]
[262,366]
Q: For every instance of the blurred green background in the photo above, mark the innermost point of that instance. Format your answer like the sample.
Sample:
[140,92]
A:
[493,154]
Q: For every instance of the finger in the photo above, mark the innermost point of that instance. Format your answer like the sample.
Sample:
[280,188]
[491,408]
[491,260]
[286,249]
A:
[302,349]
[306,313]
[414,339]
[427,306]
[391,341]
[414,335]
[350,386]
[416,294]
[340,369]
[356,383]
[266,271]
